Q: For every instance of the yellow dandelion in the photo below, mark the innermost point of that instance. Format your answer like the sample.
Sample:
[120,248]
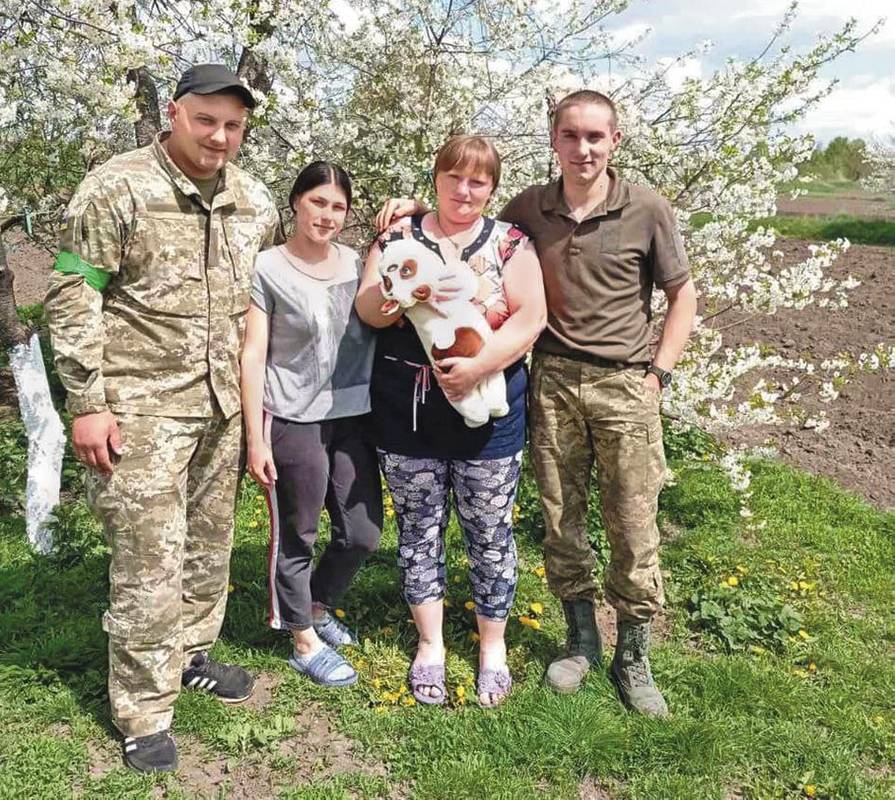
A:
[517,513]
[375,683]
[474,637]
[803,585]
[380,709]
[535,625]
[458,579]
[733,580]
[540,571]
[800,673]
[524,620]
[742,570]
[253,523]
[461,691]
[468,680]
[794,585]
[812,667]
[810,789]
[537,608]
[757,649]
[403,689]
[469,605]
[803,634]
[230,587]
[339,613]
[389,513]
[409,701]
[447,604]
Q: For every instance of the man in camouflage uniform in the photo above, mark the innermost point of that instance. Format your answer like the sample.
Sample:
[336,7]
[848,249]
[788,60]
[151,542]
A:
[146,309]
[595,392]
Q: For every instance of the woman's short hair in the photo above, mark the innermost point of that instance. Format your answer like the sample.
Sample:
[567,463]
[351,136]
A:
[320,173]
[473,154]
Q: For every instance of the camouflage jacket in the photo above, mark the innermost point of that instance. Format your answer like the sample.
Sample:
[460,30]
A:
[163,336]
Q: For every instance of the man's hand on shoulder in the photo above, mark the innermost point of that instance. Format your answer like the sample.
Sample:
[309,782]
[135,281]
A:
[395,208]
[96,440]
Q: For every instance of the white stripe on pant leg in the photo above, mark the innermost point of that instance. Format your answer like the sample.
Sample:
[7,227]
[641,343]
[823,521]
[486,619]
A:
[274,513]
[211,685]
[193,682]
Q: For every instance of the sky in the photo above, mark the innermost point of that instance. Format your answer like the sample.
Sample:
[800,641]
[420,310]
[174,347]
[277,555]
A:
[861,105]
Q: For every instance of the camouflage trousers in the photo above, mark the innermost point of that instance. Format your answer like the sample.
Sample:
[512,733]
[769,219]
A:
[581,413]
[168,512]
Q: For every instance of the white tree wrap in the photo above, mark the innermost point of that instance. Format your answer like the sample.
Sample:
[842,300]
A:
[46,441]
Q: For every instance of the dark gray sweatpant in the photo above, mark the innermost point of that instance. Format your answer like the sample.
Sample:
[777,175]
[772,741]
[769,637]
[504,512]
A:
[319,464]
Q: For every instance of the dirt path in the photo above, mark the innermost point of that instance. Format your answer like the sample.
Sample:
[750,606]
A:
[858,204]
[858,450]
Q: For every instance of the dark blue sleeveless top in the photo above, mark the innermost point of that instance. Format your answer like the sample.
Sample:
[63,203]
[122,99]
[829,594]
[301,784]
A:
[404,391]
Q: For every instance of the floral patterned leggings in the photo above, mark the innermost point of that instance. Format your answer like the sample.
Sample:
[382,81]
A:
[484,492]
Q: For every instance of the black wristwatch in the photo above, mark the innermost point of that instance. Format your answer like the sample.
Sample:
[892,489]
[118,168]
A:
[663,375]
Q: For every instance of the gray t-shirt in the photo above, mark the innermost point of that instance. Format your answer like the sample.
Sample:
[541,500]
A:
[319,354]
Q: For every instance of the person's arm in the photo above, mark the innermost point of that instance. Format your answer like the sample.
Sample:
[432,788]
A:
[91,246]
[524,290]
[252,368]
[396,208]
[676,330]
[671,273]
[369,298]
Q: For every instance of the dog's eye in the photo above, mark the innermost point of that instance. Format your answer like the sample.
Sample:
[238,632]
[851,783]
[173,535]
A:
[406,272]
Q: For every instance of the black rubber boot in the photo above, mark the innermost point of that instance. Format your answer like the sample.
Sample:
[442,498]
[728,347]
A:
[631,671]
[583,647]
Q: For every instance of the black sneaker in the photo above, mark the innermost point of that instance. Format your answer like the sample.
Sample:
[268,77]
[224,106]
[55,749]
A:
[154,753]
[227,682]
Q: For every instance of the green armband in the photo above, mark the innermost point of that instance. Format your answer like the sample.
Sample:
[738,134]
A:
[72,264]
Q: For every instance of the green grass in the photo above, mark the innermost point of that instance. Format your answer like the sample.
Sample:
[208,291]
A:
[755,722]
[855,229]
[825,187]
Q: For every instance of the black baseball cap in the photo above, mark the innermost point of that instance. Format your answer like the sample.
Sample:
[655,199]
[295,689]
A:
[211,79]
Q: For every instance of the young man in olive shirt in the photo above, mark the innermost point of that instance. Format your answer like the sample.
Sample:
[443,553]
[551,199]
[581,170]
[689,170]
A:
[603,245]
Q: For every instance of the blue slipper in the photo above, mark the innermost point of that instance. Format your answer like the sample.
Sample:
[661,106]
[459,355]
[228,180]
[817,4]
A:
[333,632]
[321,667]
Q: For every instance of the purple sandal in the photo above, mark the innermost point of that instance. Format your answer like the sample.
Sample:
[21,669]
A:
[496,682]
[427,675]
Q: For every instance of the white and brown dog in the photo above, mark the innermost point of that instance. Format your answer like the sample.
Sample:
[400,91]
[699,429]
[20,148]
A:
[410,274]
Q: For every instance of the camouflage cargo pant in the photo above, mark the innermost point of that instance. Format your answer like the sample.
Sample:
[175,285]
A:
[168,514]
[581,413]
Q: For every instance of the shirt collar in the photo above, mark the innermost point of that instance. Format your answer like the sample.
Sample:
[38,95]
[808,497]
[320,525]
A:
[618,197]
[223,196]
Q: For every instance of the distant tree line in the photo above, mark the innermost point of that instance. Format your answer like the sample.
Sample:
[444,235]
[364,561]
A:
[842,159]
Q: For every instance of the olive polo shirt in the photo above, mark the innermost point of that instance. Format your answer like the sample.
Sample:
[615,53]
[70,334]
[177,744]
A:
[599,273]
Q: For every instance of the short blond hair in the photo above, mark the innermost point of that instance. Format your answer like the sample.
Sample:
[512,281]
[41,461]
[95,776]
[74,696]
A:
[474,154]
[583,97]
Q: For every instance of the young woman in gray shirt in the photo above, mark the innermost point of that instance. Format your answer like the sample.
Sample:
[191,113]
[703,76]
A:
[306,367]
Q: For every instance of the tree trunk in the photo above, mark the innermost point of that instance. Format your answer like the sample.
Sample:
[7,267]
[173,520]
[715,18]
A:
[146,95]
[46,435]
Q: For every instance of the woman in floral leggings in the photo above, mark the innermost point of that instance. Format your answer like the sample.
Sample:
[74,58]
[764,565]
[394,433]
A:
[426,451]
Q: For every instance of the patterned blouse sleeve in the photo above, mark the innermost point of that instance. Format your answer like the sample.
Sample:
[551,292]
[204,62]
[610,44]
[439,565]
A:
[510,242]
